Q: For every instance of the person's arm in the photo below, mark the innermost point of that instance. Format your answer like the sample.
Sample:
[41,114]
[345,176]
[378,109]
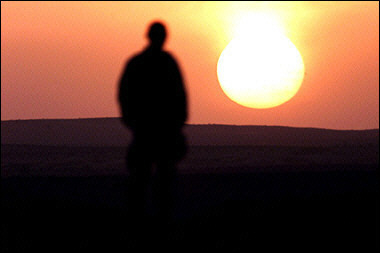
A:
[181,96]
[124,95]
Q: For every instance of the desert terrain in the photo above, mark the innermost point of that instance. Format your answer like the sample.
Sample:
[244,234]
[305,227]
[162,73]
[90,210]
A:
[238,188]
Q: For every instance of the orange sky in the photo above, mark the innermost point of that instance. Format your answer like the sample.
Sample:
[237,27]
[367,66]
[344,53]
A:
[64,59]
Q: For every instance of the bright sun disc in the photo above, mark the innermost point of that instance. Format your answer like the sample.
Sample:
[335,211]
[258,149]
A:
[260,71]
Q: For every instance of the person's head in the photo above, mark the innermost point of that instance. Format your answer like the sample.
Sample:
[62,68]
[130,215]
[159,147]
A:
[157,34]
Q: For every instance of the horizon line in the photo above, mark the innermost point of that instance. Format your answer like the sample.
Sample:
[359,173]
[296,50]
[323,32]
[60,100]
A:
[197,124]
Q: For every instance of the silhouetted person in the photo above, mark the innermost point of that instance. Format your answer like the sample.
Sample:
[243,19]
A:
[154,107]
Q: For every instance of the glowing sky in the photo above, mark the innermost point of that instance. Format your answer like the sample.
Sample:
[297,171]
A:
[63,59]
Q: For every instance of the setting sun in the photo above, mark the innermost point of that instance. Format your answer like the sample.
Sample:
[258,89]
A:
[261,67]
[314,64]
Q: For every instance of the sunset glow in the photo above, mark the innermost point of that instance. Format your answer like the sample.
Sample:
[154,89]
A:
[136,126]
[64,59]
[253,24]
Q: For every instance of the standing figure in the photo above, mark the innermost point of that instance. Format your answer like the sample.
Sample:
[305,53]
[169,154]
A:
[153,104]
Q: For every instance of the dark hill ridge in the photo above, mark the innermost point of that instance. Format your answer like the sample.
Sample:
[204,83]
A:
[110,132]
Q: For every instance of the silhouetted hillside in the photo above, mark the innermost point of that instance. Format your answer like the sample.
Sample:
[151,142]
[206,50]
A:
[110,132]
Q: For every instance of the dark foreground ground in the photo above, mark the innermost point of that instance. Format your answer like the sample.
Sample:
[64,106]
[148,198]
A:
[331,211]
[240,189]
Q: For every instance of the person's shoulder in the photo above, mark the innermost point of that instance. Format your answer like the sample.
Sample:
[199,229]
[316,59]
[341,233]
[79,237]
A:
[135,59]
[169,56]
